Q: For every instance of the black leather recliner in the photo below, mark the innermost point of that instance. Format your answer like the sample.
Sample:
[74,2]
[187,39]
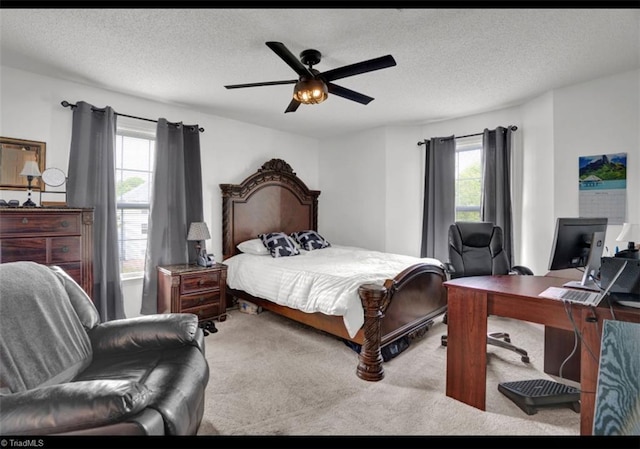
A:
[62,372]
[476,249]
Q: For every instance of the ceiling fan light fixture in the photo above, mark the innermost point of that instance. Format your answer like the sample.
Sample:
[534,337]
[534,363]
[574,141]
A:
[310,91]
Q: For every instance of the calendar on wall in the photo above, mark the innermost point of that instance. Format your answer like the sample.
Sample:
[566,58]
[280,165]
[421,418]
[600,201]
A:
[603,186]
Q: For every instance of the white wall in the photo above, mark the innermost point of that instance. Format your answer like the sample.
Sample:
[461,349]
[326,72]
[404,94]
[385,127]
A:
[594,118]
[538,186]
[352,207]
[404,163]
[230,150]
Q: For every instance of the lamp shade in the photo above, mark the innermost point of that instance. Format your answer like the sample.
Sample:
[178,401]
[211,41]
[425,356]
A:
[30,169]
[630,233]
[198,231]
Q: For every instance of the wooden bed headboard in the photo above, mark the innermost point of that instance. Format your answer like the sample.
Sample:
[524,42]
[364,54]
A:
[273,199]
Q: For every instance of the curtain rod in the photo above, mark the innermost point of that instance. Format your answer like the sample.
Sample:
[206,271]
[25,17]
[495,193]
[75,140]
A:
[66,104]
[512,128]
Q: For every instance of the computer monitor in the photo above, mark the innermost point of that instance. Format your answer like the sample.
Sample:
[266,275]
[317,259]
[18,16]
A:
[579,243]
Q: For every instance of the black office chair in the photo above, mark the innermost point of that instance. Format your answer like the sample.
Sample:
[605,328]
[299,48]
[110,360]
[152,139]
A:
[476,249]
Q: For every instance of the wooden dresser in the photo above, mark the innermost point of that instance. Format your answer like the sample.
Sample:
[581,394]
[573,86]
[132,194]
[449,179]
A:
[188,288]
[50,236]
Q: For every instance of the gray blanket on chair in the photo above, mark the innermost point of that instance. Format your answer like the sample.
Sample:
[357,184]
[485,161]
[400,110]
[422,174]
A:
[42,341]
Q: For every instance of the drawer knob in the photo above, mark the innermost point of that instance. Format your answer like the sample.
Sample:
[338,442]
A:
[65,224]
[25,220]
[201,282]
[65,249]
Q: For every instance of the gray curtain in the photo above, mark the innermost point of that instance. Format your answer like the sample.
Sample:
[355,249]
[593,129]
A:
[496,183]
[439,197]
[91,183]
[176,201]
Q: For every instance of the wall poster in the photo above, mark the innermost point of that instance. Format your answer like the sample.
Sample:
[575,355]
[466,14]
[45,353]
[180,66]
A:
[603,186]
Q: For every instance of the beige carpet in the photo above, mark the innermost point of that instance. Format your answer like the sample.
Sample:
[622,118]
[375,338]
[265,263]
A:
[272,376]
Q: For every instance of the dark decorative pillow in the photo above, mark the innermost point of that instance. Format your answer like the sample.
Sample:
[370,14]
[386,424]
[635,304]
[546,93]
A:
[279,244]
[310,240]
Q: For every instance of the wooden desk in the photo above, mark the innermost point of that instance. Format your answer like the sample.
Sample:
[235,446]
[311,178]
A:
[472,299]
[558,343]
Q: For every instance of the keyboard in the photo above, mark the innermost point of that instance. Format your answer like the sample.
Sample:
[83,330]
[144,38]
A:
[575,295]
[572,295]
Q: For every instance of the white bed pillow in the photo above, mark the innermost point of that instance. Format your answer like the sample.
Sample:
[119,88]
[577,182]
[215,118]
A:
[253,246]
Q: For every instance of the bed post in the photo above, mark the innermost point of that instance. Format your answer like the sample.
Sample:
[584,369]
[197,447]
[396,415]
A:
[374,301]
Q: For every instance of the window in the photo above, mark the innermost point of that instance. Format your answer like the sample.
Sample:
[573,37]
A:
[468,178]
[135,152]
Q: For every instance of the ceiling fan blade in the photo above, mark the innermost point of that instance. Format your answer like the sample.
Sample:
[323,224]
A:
[289,58]
[266,83]
[359,67]
[348,94]
[293,106]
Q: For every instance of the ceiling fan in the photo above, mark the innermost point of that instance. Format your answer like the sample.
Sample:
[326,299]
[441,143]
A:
[312,86]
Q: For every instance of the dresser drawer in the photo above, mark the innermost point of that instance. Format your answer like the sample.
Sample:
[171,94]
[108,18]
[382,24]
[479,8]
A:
[26,224]
[72,269]
[65,249]
[188,302]
[34,250]
[201,281]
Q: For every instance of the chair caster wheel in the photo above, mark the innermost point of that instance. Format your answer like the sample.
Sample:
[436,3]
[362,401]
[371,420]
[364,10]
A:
[525,359]
[443,340]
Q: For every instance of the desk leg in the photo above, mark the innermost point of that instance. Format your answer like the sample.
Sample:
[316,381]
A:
[467,346]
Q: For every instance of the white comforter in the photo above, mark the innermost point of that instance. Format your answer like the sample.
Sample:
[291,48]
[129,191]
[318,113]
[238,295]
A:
[324,280]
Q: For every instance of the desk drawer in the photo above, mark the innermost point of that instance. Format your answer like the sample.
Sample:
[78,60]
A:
[27,224]
[192,283]
[16,250]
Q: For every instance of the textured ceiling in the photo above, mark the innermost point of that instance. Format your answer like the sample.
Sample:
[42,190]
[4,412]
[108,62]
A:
[450,62]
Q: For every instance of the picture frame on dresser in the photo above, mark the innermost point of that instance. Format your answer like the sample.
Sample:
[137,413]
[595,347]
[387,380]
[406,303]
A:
[14,153]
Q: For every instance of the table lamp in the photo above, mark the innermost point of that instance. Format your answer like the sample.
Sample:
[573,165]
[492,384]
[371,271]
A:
[31,171]
[199,232]
[630,233]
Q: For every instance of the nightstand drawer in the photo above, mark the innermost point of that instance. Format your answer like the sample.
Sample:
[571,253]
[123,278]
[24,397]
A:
[188,302]
[201,281]
[205,313]
[65,249]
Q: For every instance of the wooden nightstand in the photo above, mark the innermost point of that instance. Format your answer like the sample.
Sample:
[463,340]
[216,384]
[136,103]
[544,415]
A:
[187,288]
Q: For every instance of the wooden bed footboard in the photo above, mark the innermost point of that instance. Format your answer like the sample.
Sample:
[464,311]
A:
[405,304]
